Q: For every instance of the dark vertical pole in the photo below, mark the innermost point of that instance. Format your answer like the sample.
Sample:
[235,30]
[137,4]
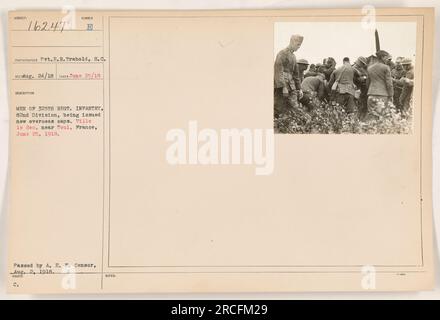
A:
[376,35]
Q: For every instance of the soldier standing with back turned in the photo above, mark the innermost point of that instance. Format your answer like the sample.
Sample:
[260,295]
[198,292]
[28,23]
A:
[380,84]
[341,83]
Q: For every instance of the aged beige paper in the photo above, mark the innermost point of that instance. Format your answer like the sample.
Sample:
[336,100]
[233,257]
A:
[124,175]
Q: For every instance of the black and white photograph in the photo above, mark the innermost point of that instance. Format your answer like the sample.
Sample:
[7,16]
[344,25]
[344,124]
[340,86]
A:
[344,77]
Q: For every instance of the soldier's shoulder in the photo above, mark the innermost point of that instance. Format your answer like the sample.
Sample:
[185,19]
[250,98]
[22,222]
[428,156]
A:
[338,70]
[373,66]
[282,52]
[382,66]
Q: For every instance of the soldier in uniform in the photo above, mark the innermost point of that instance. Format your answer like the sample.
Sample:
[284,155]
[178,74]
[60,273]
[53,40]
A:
[360,80]
[397,73]
[407,85]
[380,84]
[311,72]
[303,65]
[287,85]
[344,91]
[313,91]
[328,67]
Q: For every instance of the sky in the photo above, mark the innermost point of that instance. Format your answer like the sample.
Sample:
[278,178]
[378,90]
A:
[346,39]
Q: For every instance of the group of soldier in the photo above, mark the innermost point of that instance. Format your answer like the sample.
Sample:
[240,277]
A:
[361,88]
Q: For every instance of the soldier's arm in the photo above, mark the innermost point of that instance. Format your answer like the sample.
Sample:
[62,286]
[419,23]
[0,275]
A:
[397,83]
[280,81]
[332,80]
[296,78]
[367,81]
[409,79]
[328,71]
[389,82]
[321,90]
[356,78]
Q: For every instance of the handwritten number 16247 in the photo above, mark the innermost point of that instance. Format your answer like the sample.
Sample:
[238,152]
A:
[46,26]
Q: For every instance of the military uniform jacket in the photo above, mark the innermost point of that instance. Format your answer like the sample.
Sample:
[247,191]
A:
[286,70]
[345,74]
[380,81]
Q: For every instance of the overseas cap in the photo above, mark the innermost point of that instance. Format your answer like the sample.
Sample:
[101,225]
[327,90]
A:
[296,38]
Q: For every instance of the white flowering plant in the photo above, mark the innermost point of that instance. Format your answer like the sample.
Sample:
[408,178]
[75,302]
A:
[325,118]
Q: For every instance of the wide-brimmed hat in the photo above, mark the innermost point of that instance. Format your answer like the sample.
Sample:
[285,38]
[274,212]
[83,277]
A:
[406,61]
[303,61]
[362,61]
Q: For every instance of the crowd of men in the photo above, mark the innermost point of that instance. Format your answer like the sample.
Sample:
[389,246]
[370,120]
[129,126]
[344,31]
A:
[359,87]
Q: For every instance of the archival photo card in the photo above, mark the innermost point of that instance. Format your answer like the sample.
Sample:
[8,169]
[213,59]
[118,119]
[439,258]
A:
[220,151]
[344,77]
